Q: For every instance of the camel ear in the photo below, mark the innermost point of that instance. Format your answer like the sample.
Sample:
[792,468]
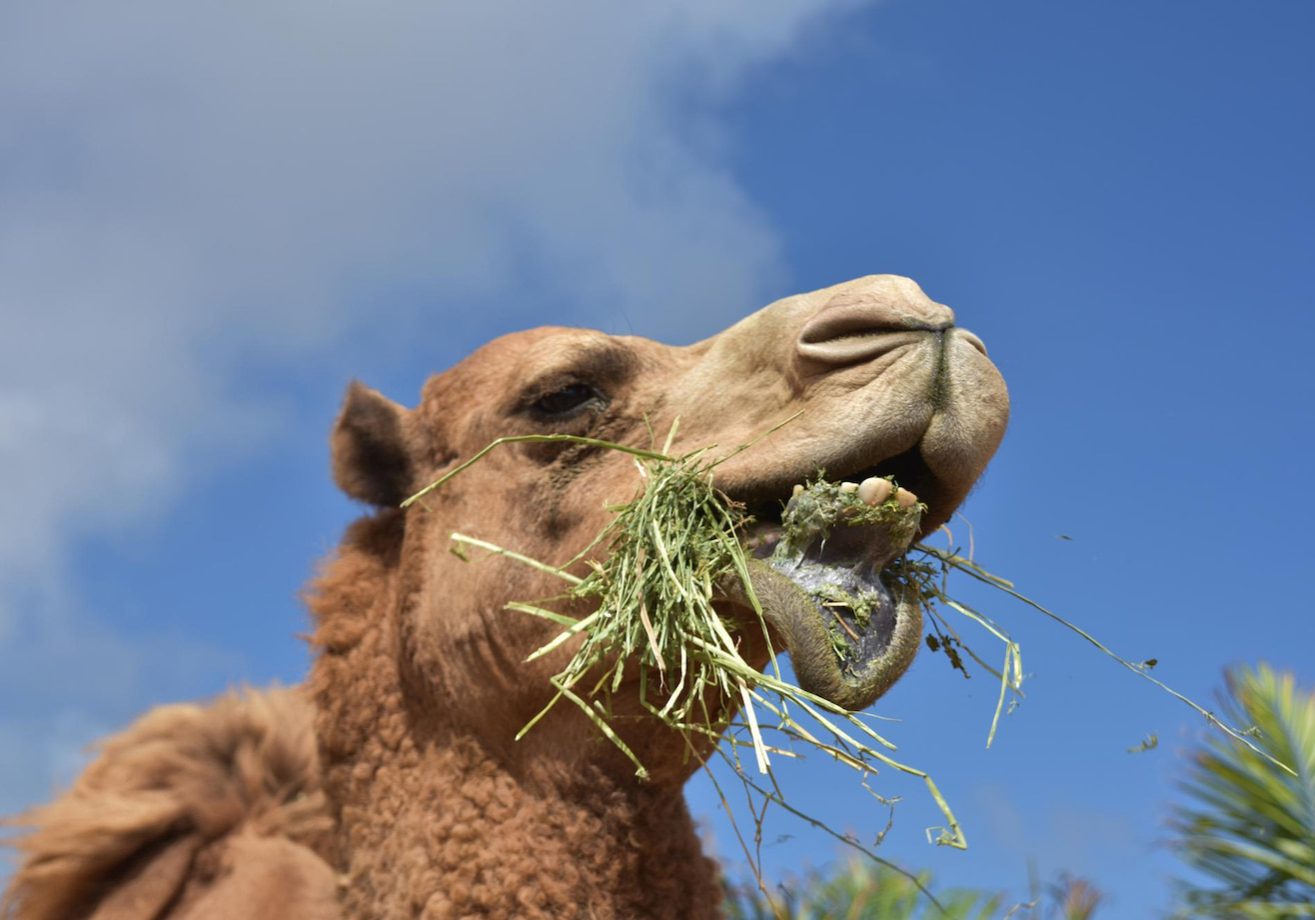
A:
[371,462]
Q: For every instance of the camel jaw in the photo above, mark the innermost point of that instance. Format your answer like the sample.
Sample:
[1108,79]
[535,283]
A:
[824,580]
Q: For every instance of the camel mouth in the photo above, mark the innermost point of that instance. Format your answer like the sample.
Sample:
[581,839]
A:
[852,625]
[766,502]
[852,596]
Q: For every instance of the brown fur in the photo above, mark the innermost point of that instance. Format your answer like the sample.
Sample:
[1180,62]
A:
[396,787]
[171,805]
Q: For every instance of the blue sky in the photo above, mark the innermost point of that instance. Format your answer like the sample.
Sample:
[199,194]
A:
[211,220]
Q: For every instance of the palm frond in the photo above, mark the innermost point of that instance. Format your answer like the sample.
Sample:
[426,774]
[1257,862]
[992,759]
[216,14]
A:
[1247,825]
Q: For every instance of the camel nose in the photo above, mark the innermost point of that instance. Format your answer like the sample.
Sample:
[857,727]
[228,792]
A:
[867,318]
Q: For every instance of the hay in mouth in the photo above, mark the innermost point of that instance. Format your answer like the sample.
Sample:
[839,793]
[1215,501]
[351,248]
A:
[839,542]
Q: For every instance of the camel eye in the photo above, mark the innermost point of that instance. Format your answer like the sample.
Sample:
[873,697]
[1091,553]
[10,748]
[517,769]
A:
[568,400]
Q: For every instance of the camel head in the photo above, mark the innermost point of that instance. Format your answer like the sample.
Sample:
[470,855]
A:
[882,383]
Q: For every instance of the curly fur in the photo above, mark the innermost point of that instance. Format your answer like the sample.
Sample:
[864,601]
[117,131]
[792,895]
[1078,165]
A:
[170,805]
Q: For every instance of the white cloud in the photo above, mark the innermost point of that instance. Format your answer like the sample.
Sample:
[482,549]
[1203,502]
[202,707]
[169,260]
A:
[191,190]
[188,187]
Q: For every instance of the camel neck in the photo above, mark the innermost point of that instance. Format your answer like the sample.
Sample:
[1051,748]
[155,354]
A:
[455,836]
[434,824]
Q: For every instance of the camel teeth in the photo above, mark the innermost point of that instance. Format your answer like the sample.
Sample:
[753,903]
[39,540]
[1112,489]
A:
[874,491]
[849,487]
[906,498]
[797,491]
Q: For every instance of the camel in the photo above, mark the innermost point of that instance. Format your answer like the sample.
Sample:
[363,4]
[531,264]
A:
[389,784]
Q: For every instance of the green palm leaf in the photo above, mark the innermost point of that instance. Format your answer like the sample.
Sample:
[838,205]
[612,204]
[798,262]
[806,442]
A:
[1248,825]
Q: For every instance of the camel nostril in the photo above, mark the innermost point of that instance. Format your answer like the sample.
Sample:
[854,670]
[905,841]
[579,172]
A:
[852,333]
[836,341]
